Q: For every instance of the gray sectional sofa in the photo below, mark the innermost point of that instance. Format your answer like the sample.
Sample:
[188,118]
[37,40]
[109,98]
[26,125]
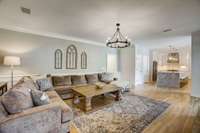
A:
[53,117]
[63,84]
[50,118]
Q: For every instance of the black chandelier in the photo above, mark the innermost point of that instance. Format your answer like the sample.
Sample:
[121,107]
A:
[118,40]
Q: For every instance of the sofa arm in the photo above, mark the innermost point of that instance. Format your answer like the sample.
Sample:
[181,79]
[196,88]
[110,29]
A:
[41,119]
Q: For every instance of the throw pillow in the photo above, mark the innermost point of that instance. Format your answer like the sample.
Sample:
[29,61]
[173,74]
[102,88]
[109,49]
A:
[92,78]
[39,97]
[107,77]
[44,84]
[67,80]
[58,80]
[78,80]
[61,80]
[17,99]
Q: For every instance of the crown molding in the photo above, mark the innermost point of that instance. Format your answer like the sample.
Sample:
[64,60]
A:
[49,34]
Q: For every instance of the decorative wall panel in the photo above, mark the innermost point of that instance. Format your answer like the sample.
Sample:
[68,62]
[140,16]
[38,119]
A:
[71,57]
[58,59]
[83,60]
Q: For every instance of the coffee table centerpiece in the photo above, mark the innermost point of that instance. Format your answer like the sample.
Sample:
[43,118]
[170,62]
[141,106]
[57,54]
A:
[99,85]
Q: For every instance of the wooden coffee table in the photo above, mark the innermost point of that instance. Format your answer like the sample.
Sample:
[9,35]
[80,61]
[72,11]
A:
[90,91]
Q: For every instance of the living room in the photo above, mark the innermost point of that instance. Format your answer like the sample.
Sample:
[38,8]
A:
[99,66]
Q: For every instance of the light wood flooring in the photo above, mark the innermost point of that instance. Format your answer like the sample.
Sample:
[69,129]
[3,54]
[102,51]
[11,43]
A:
[183,115]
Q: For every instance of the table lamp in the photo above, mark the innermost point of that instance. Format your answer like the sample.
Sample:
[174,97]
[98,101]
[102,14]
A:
[12,61]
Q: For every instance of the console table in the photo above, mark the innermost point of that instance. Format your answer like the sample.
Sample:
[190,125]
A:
[3,88]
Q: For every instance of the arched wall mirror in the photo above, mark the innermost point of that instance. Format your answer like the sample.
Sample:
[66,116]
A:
[58,59]
[83,60]
[71,57]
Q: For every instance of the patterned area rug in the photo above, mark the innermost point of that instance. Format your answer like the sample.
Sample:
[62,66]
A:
[130,115]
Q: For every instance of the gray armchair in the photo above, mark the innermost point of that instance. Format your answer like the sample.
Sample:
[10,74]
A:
[50,118]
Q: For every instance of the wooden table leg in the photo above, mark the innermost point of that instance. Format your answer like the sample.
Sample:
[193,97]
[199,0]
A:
[118,96]
[88,105]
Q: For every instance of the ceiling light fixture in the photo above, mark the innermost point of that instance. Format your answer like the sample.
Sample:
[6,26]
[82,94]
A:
[173,55]
[118,40]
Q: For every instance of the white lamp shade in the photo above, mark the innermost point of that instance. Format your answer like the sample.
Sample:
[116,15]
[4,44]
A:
[12,60]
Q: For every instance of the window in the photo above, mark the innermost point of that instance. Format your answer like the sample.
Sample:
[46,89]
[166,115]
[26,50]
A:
[71,57]
[58,59]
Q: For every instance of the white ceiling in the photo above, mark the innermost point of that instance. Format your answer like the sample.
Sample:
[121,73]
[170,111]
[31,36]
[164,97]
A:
[94,20]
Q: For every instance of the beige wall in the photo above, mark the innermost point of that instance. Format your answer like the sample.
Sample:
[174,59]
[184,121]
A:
[37,53]
[141,65]
[127,64]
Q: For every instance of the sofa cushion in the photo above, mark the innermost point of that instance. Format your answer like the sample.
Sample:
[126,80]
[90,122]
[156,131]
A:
[44,84]
[42,119]
[39,98]
[106,77]
[54,97]
[64,92]
[92,78]
[63,89]
[65,127]
[3,113]
[67,113]
[78,79]
[17,99]
[61,80]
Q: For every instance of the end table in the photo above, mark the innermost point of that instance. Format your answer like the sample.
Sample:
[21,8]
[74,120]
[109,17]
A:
[3,88]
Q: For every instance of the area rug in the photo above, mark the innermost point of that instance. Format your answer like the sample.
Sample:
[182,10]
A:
[130,115]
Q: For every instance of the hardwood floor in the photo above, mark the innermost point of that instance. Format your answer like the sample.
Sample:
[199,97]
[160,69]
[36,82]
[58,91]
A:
[183,115]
